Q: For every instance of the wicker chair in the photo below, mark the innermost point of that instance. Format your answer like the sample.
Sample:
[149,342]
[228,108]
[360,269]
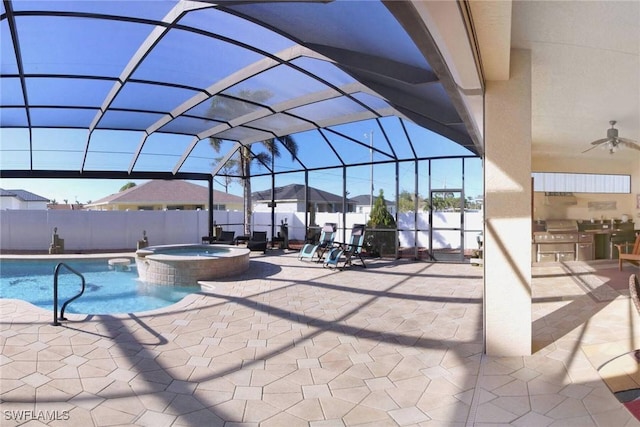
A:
[634,290]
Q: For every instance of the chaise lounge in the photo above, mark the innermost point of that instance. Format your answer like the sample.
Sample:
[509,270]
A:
[258,241]
[327,236]
[347,252]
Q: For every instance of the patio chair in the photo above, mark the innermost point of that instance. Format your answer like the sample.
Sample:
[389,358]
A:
[633,256]
[327,236]
[226,238]
[349,251]
[258,241]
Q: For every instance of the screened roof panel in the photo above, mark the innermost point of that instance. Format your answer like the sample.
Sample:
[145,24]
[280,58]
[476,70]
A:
[241,72]
[372,101]
[150,162]
[62,140]
[13,117]
[430,144]
[67,92]
[52,150]
[357,152]
[359,26]
[278,123]
[285,161]
[367,132]
[313,150]
[188,125]
[267,88]
[128,120]
[78,46]
[190,59]
[107,161]
[328,110]
[14,139]
[47,160]
[235,28]
[244,134]
[62,117]
[148,97]
[163,149]
[224,108]
[329,71]
[203,158]
[395,133]
[146,9]
[8,64]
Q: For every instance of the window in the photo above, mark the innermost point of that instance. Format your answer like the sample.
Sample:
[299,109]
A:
[581,183]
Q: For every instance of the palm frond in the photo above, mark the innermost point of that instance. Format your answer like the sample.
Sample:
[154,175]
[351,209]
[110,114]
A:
[290,144]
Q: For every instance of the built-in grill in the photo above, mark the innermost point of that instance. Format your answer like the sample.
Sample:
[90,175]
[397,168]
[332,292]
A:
[558,242]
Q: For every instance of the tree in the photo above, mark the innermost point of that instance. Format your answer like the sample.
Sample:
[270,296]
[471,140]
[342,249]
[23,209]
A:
[127,186]
[228,170]
[406,202]
[378,239]
[227,108]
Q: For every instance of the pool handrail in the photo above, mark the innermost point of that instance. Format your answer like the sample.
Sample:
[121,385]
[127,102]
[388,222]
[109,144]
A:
[55,292]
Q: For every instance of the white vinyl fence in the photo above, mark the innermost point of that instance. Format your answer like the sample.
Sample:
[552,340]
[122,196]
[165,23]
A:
[32,230]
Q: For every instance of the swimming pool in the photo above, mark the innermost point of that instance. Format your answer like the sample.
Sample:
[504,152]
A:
[108,290]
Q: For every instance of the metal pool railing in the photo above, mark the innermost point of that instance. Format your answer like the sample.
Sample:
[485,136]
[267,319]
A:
[55,293]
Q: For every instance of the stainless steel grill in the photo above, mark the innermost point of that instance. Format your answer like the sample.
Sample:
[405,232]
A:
[558,242]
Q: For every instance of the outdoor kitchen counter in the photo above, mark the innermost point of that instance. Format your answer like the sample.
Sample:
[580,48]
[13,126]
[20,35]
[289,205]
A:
[606,239]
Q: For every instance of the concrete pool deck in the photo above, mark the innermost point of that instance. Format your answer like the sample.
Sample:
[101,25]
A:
[289,343]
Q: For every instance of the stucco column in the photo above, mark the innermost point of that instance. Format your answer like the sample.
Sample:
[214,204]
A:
[507,230]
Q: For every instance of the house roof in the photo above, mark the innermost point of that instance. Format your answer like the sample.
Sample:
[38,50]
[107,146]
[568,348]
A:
[23,195]
[296,192]
[365,199]
[166,192]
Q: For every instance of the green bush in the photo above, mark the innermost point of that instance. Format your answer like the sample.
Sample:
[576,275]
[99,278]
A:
[377,240]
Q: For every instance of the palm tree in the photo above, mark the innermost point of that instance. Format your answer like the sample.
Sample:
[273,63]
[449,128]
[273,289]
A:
[264,158]
[226,108]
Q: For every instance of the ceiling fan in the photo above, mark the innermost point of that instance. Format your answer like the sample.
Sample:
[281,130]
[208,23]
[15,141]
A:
[613,142]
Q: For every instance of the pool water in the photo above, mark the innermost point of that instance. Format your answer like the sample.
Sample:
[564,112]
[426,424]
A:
[108,290]
[191,250]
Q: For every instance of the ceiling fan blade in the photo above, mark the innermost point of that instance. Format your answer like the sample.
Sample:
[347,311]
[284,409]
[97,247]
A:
[589,149]
[600,141]
[629,143]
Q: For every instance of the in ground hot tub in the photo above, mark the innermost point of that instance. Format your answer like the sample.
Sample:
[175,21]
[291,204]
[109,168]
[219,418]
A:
[187,264]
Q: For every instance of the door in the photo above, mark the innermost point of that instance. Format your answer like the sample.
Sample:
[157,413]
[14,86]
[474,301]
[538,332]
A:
[446,219]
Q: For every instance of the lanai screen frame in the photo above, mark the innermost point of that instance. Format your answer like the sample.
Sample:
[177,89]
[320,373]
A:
[405,78]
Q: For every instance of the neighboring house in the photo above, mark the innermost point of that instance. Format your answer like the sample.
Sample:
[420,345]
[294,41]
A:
[169,195]
[363,204]
[21,199]
[65,206]
[290,198]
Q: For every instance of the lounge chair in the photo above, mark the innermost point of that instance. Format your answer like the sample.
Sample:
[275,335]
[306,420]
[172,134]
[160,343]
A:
[258,241]
[225,238]
[347,252]
[327,236]
[624,255]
